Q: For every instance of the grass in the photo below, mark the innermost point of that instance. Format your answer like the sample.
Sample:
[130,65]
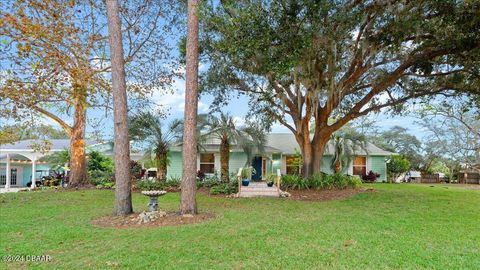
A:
[399,227]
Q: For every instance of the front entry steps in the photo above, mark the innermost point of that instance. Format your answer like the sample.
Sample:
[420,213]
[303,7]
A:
[258,189]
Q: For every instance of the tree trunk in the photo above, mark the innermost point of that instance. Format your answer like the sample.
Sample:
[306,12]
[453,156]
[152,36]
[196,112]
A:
[307,154]
[338,165]
[123,191]
[162,166]
[312,152]
[78,160]
[224,159]
[188,203]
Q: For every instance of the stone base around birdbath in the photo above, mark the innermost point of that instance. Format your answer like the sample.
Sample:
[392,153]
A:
[150,216]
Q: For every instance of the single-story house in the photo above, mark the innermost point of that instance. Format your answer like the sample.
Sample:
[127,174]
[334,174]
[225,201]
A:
[281,152]
[21,159]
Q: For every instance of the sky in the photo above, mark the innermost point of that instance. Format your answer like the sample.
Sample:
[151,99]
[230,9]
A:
[174,103]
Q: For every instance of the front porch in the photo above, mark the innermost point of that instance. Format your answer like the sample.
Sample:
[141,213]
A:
[259,188]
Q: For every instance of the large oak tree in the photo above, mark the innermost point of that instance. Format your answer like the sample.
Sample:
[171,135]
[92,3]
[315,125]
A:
[305,62]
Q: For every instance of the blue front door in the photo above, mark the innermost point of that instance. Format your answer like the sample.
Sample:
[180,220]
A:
[257,165]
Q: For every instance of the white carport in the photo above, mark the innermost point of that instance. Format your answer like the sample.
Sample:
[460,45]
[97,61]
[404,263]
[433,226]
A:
[26,149]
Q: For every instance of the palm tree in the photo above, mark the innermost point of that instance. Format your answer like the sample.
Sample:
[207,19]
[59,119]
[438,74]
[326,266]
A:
[251,139]
[148,127]
[346,142]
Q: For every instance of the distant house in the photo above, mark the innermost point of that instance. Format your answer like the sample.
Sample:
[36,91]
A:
[24,162]
[281,152]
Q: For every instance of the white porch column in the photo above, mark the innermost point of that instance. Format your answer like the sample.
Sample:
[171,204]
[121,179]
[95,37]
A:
[33,173]
[8,173]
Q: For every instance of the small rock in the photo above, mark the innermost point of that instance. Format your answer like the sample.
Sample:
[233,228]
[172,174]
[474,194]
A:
[146,217]
[188,215]
[284,194]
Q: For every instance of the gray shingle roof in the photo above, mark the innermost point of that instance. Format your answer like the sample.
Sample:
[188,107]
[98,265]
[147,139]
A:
[288,145]
[285,143]
[26,144]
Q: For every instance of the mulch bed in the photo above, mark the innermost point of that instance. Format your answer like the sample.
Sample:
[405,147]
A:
[325,195]
[131,221]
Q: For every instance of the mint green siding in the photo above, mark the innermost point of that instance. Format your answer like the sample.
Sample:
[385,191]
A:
[237,160]
[175,167]
[326,165]
[377,164]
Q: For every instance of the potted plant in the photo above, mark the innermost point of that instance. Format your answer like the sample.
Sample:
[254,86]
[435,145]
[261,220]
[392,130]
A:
[246,175]
[270,179]
[152,189]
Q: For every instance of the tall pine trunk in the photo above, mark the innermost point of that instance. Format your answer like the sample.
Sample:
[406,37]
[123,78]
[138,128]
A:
[224,159]
[123,191]
[188,204]
[78,159]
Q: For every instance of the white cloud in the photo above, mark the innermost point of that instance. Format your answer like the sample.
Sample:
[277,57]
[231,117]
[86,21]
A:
[239,121]
[277,127]
[176,99]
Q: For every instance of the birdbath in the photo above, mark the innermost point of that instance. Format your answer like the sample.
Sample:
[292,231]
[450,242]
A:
[153,194]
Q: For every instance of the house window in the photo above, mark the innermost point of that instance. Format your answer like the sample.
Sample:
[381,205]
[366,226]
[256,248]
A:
[207,163]
[13,177]
[360,166]
[293,164]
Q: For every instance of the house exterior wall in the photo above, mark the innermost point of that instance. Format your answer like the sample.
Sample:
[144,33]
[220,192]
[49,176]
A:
[174,169]
[277,161]
[237,160]
[378,165]
[326,165]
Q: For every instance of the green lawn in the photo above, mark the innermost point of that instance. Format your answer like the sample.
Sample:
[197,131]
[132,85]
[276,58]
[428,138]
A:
[399,227]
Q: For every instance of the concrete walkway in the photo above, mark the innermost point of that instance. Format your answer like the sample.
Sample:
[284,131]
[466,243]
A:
[11,190]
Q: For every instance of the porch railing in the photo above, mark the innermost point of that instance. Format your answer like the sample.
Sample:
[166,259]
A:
[239,179]
[278,179]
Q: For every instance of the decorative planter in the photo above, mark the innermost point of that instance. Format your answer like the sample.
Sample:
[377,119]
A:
[153,194]
[245,182]
[270,184]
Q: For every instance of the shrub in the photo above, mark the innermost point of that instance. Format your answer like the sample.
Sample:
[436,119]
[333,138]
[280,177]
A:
[108,185]
[396,166]
[293,182]
[224,188]
[99,162]
[210,182]
[50,181]
[173,182]
[370,176]
[150,185]
[101,177]
[321,181]
[200,175]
